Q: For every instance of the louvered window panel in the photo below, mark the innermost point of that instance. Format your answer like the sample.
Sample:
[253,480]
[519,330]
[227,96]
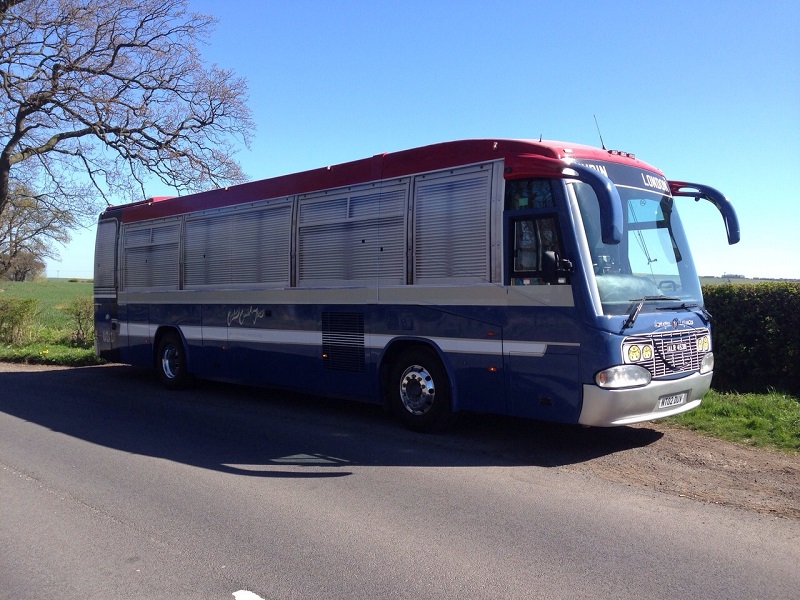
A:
[138,237]
[353,251]
[451,228]
[239,248]
[360,240]
[105,256]
[261,246]
[326,208]
[379,204]
[151,256]
[205,253]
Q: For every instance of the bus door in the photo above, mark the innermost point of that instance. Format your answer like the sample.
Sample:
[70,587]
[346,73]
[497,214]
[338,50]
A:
[541,343]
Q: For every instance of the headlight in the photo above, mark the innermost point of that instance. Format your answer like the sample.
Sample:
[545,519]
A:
[707,364]
[634,353]
[623,376]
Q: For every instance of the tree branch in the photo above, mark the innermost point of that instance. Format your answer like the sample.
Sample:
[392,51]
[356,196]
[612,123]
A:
[115,90]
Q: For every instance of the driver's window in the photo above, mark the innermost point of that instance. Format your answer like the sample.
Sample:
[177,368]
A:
[532,229]
[532,237]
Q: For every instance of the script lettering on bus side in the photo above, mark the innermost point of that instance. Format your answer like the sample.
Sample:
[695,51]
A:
[245,315]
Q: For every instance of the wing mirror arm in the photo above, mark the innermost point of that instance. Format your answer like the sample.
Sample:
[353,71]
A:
[607,197]
[706,192]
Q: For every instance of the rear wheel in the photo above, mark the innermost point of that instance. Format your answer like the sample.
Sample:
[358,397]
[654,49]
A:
[420,390]
[171,361]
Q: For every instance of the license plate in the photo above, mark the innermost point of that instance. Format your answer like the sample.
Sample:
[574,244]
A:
[673,400]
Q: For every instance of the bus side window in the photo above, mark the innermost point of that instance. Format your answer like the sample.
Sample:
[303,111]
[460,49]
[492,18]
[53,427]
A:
[531,238]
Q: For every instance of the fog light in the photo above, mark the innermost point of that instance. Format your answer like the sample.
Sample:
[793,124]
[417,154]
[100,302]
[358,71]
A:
[623,376]
[707,364]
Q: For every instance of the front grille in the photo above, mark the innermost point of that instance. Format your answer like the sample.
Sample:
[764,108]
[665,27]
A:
[674,352]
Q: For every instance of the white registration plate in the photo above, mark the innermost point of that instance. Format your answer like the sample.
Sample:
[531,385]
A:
[673,400]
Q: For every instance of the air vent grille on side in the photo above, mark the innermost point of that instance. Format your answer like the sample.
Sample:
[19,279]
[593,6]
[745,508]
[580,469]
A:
[343,341]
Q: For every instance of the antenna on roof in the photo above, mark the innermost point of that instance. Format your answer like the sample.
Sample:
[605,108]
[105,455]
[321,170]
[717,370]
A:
[602,143]
[540,137]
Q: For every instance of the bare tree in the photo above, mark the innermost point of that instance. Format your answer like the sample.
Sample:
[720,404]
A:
[6,4]
[97,96]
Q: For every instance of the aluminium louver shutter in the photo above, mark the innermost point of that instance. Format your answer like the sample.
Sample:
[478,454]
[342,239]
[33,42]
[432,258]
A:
[451,228]
[353,237]
[105,256]
[235,249]
[151,256]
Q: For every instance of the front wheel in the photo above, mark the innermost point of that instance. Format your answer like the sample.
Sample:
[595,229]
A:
[420,390]
[171,361]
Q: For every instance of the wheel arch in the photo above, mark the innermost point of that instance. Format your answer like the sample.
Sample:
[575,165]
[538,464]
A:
[397,347]
[164,330]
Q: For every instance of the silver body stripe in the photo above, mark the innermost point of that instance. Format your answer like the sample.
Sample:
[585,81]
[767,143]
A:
[197,333]
[127,328]
[414,295]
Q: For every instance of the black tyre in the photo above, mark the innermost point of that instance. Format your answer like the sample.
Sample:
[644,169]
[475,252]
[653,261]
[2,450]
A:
[420,390]
[171,361]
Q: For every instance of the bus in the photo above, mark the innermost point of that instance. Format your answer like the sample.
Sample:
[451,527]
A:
[538,279]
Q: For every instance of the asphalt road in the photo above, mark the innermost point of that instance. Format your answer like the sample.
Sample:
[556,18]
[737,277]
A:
[112,487]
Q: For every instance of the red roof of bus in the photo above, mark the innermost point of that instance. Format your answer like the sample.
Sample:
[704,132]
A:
[522,157]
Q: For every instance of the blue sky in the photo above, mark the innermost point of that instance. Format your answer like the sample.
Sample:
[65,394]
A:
[707,91]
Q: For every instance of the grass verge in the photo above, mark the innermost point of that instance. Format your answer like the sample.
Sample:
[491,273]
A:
[40,353]
[755,419]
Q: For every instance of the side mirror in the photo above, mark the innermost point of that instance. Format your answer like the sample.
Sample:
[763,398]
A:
[698,191]
[611,221]
[554,268]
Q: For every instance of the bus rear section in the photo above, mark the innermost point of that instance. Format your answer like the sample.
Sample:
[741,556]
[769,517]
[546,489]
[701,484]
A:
[106,316]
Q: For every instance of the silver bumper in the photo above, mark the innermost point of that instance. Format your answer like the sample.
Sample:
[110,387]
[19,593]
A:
[608,408]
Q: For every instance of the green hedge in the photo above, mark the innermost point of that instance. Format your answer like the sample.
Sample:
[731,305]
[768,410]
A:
[16,315]
[756,331]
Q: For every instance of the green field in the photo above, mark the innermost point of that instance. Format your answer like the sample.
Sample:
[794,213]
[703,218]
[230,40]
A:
[52,296]
[737,280]
[771,420]
[51,335]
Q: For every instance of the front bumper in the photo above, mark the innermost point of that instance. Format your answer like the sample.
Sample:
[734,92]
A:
[608,408]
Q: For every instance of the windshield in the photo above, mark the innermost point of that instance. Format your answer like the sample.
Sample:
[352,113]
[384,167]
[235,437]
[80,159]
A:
[652,263]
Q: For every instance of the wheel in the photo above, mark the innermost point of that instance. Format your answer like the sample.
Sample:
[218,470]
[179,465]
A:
[171,361]
[420,390]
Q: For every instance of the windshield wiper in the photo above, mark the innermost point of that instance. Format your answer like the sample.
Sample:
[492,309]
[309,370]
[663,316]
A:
[635,309]
[689,306]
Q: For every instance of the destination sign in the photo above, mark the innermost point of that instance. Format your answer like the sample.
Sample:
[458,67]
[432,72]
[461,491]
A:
[628,176]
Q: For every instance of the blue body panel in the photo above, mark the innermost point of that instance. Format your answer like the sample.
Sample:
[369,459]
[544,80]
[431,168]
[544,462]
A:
[282,346]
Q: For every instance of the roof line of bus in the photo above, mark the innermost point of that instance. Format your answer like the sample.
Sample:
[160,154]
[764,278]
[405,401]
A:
[549,157]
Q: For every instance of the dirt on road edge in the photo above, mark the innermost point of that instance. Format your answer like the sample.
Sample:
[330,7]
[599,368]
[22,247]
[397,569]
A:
[685,463]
